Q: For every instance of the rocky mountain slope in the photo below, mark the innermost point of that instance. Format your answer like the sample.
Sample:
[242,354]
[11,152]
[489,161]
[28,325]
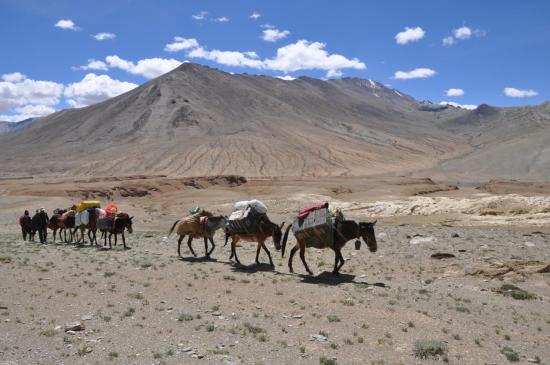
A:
[196,121]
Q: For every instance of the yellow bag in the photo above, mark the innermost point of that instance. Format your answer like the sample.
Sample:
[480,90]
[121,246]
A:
[88,204]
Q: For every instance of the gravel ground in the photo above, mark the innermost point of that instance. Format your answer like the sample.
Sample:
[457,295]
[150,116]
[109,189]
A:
[145,305]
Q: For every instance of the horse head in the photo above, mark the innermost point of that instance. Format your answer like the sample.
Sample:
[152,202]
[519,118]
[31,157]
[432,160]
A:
[278,235]
[366,231]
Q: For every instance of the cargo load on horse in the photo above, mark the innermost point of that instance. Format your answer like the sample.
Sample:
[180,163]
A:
[245,217]
[88,204]
[315,225]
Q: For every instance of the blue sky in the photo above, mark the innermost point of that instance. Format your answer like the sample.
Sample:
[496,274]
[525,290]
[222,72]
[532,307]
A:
[468,52]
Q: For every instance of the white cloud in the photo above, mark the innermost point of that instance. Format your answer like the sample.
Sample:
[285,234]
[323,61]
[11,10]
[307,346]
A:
[67,24]
[305,55]
[519,93]
[181,43]
[409,35]
[26,112]
[255,15]
[457,105]
[200,16]
[286,78]
[222,19]
[228,58]
[93,65]
[463,33]
[14,77]
[417,73]
[149,67]
[454,92]
[267,26]
[16,91]
[273,35]
[95,88]
[104,36]
[448,41]
[302,55]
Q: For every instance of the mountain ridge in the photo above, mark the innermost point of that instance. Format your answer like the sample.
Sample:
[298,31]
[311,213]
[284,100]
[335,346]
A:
[196,120]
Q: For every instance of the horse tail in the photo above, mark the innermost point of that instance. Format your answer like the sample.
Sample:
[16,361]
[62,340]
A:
[285,238]
[172,229]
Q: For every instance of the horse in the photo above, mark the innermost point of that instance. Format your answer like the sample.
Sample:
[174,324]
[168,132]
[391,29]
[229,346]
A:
[56,223]
[348,230]
[266,229]
[81,223]
[67,220]
[116,226]
[198,225]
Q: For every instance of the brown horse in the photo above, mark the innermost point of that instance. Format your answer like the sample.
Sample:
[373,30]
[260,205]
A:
[56,223]
[68,222]
[116,226]
[347,231]
[199,225]
[266,229]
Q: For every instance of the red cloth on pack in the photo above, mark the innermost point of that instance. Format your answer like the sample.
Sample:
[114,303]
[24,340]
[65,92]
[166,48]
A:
[111,210]
[304,212]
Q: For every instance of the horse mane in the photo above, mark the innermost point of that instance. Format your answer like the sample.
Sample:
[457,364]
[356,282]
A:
[206,213]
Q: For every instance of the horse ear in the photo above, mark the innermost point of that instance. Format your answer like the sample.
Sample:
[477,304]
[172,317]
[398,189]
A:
[373,223]
[282,225]
[132,217]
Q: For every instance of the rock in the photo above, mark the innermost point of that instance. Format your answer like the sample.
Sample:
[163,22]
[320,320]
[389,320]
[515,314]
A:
[297,316]
[529,244]
[216,313]
[455,235]
[442,255]
[318,337]
[534,361]
[470,271]
[74,326]
[86,317]
[418,240]
[88,349]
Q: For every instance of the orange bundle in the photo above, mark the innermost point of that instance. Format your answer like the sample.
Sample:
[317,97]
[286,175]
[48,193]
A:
[111,210]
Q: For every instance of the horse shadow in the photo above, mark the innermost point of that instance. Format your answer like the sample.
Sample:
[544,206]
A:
[252,268]
[198,259]
[328,278]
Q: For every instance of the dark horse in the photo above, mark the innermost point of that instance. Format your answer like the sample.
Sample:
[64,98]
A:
[116,226]
[266,229]
[347,231]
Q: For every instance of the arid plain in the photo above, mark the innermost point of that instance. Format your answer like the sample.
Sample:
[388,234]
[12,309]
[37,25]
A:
[446,258]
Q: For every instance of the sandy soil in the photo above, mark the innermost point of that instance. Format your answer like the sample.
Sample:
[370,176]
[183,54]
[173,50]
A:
[145,305]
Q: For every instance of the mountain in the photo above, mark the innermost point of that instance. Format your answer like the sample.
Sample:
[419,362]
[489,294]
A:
[7,127]
[196,121]
[506,142]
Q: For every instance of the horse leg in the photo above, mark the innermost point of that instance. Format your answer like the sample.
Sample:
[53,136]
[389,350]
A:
[90,237]
[291,256]
[116,238]
[179,245]
[124,241]
[303,257]
[234,250]
[342,261]
[189,240]
[213,246]
[268,254]
[336,262]
[258,248]
[205,246]
[110,242]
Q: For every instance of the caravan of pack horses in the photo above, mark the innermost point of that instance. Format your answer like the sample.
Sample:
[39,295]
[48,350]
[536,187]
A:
[318,226]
